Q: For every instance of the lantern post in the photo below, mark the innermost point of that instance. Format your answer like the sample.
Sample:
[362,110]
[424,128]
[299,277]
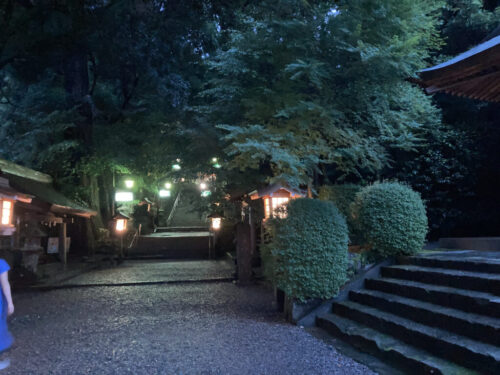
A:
[215,226]
[120,225]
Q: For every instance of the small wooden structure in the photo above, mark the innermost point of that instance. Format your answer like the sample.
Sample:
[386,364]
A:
[36,207]
[275,196]
[473,74]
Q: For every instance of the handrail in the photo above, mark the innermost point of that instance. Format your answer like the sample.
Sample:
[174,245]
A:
[135,237]
[176,203]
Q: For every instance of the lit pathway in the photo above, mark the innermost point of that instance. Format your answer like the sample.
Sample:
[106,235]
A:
[192,328]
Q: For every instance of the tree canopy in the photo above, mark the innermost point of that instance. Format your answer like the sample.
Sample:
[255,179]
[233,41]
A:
[302,91]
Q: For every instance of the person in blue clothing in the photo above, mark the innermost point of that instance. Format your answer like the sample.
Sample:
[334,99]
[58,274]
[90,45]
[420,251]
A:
[6,309]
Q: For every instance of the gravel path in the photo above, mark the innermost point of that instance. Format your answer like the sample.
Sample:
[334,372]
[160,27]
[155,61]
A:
[216,328]
[140,271]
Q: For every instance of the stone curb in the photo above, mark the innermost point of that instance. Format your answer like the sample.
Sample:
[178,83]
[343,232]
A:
[309,320]
[95,285]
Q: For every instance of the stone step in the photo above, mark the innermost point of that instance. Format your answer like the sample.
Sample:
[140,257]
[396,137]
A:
[478,327]
[413,360]
[476,264]
[462,299]
[175,247]
[459,349]
[181,229]
[479,281]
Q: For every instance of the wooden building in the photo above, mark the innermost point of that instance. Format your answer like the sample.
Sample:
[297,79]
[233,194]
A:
[275,196]
[473,74]
[35,216]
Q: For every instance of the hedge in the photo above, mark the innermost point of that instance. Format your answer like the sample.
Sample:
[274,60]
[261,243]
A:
[307,256]
[391,218]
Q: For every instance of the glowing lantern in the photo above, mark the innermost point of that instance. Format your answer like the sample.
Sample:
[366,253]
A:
[203,186]
[215,221]
[274,197]
[165,193]
[277,203]
[6,214]
[124,196]
[120,222]
[168,185]
[129,184]
[176,167]
[214,160]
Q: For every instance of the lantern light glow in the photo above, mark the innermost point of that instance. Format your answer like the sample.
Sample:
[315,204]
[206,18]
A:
[216,223]
[124,196]
[272,204]
[121,225]
[203,186]
[168,185]
[176,167]
[129,184]
[165,193]
[6,212]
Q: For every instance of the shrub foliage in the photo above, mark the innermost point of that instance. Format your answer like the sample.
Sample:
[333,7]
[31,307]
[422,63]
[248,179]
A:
[343,196]
[307,256]
[391,218]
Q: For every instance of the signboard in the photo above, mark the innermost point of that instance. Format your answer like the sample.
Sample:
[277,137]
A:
[53,245]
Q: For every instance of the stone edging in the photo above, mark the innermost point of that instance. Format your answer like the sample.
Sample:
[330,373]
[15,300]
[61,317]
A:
[309,319]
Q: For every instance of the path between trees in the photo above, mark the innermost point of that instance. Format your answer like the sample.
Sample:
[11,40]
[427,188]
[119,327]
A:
[186,328]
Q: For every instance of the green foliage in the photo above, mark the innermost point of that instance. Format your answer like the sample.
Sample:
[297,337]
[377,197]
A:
[299,84]
[442,176]
[343,196]
[307,256]
[391,219]
[465,24]
[459,188]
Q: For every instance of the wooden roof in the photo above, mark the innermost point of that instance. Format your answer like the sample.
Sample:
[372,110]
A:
[473,74]
[274,189]
[37,187]
[18,170]
[59,203]
[7,192]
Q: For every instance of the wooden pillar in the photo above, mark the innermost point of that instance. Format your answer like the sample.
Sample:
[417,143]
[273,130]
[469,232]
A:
[63,254]
[244,253]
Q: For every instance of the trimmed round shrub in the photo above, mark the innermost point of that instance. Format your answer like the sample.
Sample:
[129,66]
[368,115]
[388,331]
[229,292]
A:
[391,218]
[307,256]
[343,196]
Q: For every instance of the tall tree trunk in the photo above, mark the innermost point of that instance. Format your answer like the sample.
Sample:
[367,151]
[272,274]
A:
[106,193]
[76,81]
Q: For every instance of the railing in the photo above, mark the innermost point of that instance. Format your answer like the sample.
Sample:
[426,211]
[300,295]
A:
[135,237]
[174,207]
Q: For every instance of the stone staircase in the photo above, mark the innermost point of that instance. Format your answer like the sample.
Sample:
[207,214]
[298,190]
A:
[434,314]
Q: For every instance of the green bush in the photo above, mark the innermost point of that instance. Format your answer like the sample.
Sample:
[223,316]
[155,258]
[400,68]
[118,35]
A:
[307,255]
[343,196]
[391,218]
